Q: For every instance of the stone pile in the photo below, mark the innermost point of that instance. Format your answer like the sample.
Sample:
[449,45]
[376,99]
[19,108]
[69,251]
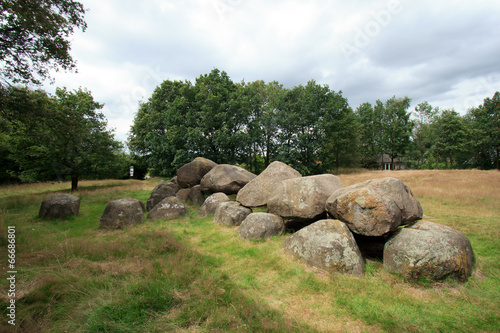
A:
[337,228]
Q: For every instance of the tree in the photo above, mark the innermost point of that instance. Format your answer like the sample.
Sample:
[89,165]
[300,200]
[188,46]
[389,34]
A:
[34,38]
[312,123]
[396,127]
[485,125]
[61,135]
[163,129]
[423,134]
[370,126]
[181,121]
[450,138]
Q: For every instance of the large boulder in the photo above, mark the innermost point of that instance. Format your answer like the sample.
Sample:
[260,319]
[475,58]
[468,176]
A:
[328,245]
[375,207]
[429,250]
[190,174]
[261,226]
[168,208]
[211,203]
[196,196]
[258,190]
[59,206]
[225,178]
[183,194]
[122,213]
[161,191]
[303,198]
[231,213]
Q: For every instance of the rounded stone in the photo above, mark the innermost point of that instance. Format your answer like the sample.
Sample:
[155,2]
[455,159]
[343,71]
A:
[261,226]
[328,245]
[429,250]
[168,208]
[59,206]
[231,213]
[122,213]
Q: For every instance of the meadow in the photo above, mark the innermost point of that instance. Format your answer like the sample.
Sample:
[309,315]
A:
[192,275]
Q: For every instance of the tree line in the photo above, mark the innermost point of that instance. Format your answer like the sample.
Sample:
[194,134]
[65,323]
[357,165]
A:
[60,137]
[310,127]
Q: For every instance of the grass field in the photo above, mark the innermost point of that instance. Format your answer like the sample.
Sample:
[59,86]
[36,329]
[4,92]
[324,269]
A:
[191,275]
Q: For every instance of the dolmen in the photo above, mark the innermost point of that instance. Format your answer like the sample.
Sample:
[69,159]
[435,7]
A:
[336,228]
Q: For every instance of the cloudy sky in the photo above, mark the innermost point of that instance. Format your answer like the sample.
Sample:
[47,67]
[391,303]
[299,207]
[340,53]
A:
[443,52]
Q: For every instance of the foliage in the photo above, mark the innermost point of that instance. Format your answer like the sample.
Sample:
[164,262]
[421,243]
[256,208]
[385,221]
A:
[50,137]
[484,122]
[34,37]
[239,123]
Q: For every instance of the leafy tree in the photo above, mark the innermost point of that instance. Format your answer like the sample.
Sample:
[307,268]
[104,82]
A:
[423,135]
[34,37]
[262,103]
[181,121]
[220,117]
[450,138]
[396,127]
[162,131]
[370,127]
[310,134]
[485,137]
[59,135]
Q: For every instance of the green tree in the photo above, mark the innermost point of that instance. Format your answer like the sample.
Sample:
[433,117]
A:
[34,38]
[181,121]
[262,102]
[396,127]
[450,138]
[310,133]
[163,128]
[423,135]
[61,135]
[485,137]
[369,134]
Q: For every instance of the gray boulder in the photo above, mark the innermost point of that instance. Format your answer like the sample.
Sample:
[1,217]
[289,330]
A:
[211,203]
[257,191]
[59,206]
[375,207]
[161,191]
[261,226]
[429,250]
[183,194]
[122,213]
[303,198]
[168,208]
[328,245]
[231,213]
[190,174]
[195,195]
[225,178]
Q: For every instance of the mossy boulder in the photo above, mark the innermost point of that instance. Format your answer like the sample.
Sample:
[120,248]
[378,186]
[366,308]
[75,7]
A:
[429,250]
[59,206]
[375,207]
[328,245]
[122,213]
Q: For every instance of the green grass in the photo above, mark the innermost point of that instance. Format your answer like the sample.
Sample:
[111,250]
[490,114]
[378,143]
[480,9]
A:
[191,275]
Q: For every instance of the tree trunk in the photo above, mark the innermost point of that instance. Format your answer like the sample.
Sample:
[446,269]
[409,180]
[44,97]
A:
[498,166]
[74,183]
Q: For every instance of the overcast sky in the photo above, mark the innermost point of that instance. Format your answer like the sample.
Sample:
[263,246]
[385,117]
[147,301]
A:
[443,52]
